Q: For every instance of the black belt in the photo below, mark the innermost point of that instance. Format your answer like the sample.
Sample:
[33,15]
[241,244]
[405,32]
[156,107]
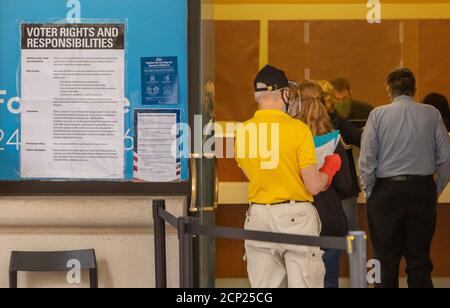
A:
[407,178]
[279,203]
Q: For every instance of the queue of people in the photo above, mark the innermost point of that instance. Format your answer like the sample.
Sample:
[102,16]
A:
[404,163]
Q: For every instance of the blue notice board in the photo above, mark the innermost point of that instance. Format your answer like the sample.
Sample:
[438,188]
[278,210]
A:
[155,31]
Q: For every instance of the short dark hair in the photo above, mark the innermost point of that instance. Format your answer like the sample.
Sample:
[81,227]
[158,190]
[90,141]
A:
[440,102]
[341,84]
[401,81]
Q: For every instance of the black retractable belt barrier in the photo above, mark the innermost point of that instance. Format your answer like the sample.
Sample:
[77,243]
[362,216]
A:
[354,244]
[336,243]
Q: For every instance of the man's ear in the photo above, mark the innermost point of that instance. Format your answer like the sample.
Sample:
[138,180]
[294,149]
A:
[285,95]
[389,92]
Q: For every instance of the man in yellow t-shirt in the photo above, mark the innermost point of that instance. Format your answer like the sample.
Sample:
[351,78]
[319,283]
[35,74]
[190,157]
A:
[277,155]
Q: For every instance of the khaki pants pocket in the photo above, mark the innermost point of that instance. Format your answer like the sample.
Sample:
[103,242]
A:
[306,270]
[315,274]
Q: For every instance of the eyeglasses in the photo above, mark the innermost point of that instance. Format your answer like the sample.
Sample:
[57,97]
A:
[342,99]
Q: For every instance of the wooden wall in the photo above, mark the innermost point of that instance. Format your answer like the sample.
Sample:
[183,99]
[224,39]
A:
[237,60]
[362,52]
[328,49]
[434,61]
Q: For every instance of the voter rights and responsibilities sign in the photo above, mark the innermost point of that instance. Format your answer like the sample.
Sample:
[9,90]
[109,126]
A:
[66,69]
[72,36]
[73,89]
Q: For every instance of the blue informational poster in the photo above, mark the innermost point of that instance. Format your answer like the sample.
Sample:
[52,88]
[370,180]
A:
[159,80]
[85,38]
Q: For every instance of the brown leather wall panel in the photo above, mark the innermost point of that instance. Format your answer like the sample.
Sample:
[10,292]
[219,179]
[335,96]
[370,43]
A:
[237,63]
[286,47]
[354,49]
[230,253]
[410,48]
[434,57]
[359,51]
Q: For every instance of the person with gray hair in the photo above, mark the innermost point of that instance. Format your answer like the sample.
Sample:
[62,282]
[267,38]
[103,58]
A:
[281,193]
[403,146]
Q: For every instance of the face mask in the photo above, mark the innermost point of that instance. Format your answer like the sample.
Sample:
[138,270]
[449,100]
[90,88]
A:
[286,103]
[295,108]
[344,108]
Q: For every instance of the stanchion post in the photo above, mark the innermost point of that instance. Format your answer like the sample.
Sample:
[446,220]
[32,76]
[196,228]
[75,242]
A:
[357,253]
[186,242]
[160,244]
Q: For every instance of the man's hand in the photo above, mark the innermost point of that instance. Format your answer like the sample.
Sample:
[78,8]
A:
[332,165]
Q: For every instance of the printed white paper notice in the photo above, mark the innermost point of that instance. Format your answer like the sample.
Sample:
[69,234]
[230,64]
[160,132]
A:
[326,145]
[72,84]
[157,135]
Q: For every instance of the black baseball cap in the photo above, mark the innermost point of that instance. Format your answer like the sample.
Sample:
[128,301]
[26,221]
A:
[270,79]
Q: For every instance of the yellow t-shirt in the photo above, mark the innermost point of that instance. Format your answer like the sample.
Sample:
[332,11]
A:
[271,148]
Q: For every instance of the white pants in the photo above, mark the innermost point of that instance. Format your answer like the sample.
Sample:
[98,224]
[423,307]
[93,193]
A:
[272,265]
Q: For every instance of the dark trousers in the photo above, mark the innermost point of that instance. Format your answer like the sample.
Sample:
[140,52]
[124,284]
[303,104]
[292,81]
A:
[402,221]
[332,260]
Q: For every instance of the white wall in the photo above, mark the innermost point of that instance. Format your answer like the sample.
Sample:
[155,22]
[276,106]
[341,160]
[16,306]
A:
[119,229]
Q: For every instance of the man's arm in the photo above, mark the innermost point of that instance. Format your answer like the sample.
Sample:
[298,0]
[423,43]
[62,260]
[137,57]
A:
[342,182]
[351,134]
[369,155]
[319,181]
[314,180]
[442,155]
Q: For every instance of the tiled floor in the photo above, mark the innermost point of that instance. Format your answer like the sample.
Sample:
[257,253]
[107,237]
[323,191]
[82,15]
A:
[244,283]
